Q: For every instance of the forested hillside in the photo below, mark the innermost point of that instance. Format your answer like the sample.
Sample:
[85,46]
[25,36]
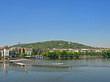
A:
[54,44]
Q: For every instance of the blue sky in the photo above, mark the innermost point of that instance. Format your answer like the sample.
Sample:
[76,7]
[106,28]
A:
[81,21]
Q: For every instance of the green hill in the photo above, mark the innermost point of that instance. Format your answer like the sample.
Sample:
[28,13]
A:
[54,44]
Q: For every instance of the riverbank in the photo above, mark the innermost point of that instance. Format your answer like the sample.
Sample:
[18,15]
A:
[65,57]
[73,57]
[90,56]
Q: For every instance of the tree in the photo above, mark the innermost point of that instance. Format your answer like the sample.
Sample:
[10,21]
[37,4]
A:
[23,50]
[82,53]
[48,54]
[76,54]
[34,52]
[43,54]
[108,52]
[59,53]
[54,54]
[86,53]
[64,53]
[0,54]
[104,53]
[17,54]
[23,54]
[79,52]
[69,54]
[93,53]
[40,51]
[14,51]
[20,51]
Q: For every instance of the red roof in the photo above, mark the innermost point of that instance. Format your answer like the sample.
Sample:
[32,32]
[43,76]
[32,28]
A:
[6,47]
[1,47]
[26,48]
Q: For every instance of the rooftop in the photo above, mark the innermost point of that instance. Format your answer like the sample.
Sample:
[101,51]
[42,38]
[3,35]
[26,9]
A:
[6,47]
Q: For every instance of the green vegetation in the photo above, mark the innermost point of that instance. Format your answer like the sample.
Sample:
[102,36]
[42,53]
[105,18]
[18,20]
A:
[0,54]
[14,51]
[18,54]
[106,53]
[22,55]
[54,44]
[59,53]
[41,51]
[34,52]
[20,51]
[23,50]
[75,54]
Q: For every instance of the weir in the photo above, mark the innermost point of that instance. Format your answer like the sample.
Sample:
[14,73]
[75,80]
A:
[9,61]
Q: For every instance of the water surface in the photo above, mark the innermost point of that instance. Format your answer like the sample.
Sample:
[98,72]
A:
[75,70]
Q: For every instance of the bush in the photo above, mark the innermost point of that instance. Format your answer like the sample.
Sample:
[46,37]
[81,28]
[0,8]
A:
[1,56]
[17,53]
[22,55]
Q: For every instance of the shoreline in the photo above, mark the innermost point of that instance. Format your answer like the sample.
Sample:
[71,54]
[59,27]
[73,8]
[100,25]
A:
[57,58]
[91,57]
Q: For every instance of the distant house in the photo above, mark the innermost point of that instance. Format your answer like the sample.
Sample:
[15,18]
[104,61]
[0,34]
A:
[75,50]
[84,50]
[63,50]
[1,49]
[27,50]
[45,50]
[39,56]
[15,48]
[98,50]
[6,53]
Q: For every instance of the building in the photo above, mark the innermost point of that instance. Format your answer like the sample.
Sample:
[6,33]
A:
[39,56]
[84,50]
[45,50]
[38,51]
[6,53]
[15,48]
[27,51]
[1,49]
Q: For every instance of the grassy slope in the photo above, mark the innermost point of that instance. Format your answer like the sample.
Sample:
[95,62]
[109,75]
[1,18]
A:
[55,44]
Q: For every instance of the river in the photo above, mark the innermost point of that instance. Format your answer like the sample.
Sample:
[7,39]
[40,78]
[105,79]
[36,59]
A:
[71,70]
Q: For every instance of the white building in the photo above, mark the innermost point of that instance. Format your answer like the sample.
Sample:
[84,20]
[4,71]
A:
[6,53]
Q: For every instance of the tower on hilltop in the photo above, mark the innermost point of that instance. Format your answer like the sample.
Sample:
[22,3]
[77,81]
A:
[69,42]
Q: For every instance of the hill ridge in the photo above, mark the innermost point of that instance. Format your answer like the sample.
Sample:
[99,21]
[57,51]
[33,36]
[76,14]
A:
[59,44]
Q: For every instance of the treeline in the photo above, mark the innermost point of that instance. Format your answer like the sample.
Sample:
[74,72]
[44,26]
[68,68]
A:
[75,54]
[0,54]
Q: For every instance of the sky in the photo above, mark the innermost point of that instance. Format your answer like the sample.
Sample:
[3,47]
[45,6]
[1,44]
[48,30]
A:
[82,21]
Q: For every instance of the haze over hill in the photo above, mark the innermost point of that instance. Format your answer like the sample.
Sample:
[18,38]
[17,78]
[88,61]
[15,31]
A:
[54,44]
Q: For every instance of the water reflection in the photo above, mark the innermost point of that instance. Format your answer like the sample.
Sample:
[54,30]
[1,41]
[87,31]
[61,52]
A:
[5,67]
[62,64]
[25,72]
[74,70]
